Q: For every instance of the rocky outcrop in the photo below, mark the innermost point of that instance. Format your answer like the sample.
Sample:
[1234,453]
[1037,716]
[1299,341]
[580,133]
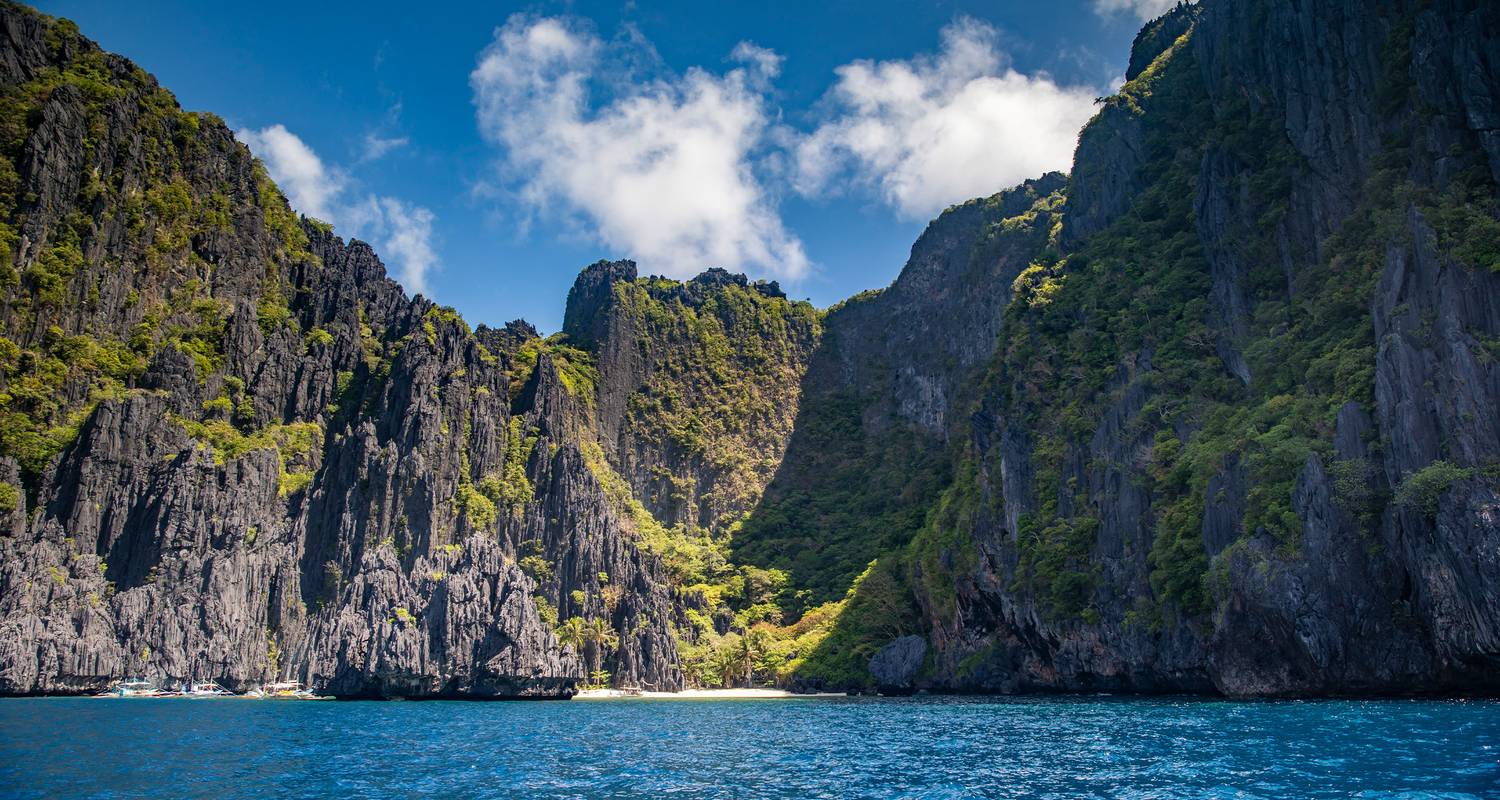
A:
[1215,413]
[886,393]
[895,666]
[1358,586]
[699,384]
[282,465]
[1107,171]
[1158,35]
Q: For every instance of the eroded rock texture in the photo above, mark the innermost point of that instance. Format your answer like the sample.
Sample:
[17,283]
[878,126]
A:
[1217,412]
[270,462]
[1270,535]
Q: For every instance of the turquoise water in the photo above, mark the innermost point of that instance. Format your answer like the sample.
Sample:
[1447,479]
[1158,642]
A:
[914,747]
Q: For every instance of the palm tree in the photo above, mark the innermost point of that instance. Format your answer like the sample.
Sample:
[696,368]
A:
[572,633]
[724,660]
[747,660]
[599,636]
[757,644]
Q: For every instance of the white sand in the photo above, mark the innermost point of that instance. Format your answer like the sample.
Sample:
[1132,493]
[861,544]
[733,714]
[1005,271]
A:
[697,694]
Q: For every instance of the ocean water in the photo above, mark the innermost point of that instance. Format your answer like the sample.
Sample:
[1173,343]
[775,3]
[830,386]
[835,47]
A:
[799,748]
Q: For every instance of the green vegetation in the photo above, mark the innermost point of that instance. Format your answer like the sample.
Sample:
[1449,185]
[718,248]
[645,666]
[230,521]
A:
[534,561]
[10,498]
[295,445]
[879,607]
[598,679]
[1129,311]
[772,588]
[726,365]
[1133,305]
[473,504]
[36,419]
[445,316]
[1422,489]
[866,517]
[317,337]
[691,555]
[944,547]
[575,367]
[54,380]
[545,610]
[281,222]
[273,653]
[511,490]
[843,497]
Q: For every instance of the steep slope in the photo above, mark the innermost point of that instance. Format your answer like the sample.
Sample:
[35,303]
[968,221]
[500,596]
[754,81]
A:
[699,384]
[1217,412]
[887,390]
[235,450]
[1239,435]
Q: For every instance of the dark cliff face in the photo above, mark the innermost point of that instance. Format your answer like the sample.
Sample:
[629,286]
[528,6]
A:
[1217,412]
[699,384]
[1243,433]
[887,389]
[238,451]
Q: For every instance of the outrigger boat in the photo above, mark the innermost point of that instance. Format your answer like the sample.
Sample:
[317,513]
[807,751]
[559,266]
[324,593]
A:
[206,689]
[599,694]
[133,687]
[285,690]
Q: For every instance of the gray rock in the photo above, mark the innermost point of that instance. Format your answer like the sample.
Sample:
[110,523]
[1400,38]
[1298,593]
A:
[334,546]
[895,666]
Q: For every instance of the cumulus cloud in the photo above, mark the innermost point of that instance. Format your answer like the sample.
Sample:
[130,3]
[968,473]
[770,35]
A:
[662,170]
[934,130]
[1144,10]
[400,231]
[309,186]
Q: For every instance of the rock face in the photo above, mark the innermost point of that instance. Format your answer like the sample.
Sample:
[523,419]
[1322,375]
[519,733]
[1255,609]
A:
[895,666]
[1217,412]
[1214,513]
[699,384]
[887,391]
[240,452]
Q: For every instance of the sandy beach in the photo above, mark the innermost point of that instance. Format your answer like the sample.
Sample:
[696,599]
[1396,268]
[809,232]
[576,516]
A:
[697,694]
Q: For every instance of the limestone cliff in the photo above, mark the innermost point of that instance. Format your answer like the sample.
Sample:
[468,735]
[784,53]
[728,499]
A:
[1239,433]
[237,451]
[1217,412]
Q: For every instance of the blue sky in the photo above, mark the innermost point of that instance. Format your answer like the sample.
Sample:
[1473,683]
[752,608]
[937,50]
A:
[491,150]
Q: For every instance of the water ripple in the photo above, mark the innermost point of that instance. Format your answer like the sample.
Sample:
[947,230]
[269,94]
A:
[822,748]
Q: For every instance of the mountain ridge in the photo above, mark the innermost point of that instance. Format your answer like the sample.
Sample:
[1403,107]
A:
[1213,413]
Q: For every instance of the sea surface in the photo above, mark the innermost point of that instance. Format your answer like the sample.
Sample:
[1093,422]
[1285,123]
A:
[798,748]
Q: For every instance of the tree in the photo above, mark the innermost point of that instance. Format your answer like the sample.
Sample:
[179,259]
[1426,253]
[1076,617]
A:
[759,642]
[599,637]
[573,633]
[725,661]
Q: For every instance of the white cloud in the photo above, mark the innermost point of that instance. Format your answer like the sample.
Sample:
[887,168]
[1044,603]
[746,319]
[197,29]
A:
[1144,10]
[663,171]
[402,232]
[936,130]
[408,240]
[765,62]
[377,146]
[309,186]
